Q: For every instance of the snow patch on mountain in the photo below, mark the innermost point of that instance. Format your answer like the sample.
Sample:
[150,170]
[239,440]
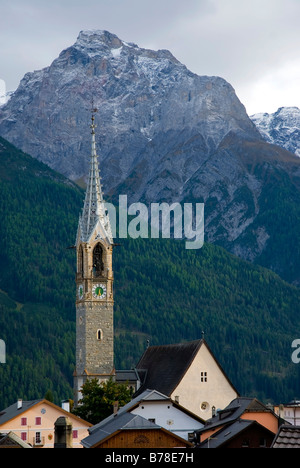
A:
[281,128]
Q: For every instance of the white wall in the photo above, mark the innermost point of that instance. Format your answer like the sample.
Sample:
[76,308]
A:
[198,396]
[168,417]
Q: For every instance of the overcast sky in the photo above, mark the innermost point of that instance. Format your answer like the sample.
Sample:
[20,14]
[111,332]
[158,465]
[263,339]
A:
[253,44]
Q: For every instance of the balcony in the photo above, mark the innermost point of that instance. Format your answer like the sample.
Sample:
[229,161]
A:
[38,441]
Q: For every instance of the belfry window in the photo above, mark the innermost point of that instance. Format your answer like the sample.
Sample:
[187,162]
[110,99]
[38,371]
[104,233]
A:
[80,261]
[97,260]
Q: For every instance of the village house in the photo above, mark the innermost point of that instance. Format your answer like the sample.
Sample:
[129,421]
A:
[160,410]
[236,424]
[189,374]
[290,412]
[34,421]
[128,430]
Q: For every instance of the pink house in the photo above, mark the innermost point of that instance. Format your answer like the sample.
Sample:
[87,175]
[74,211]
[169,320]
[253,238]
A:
[33,421]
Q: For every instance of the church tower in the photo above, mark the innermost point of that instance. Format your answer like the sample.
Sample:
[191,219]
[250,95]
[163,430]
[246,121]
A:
[94,284]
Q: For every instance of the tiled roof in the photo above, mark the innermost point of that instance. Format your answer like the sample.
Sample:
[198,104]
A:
[166,365]
[234,411]
[288,436]
[163,367]
[147,395]
[230,431]
[124,421]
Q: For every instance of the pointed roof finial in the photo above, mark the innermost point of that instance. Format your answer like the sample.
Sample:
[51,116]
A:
[93,112]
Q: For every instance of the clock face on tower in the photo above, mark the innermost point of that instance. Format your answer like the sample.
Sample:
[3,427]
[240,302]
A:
[99,291]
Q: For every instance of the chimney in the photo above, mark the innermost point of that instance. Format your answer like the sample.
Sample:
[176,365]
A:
[116,407]
[19,403]
[65,404]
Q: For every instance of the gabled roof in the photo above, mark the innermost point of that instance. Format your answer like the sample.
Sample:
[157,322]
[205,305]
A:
[288,436]
[14,411]
[164,366]
[234,411]
[114,424]
[11,440]
[147,395]
[230,431]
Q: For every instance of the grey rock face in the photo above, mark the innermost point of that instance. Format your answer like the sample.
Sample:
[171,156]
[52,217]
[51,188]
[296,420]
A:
[164,134]
[281,128]
[142,96]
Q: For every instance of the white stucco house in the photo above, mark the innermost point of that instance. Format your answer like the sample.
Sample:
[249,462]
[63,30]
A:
[189,374]
[161,410]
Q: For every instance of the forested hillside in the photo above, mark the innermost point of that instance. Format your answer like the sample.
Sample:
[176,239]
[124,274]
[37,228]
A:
[163,293]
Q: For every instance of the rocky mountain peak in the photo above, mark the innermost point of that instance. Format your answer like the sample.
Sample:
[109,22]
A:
[95,39]
[163,134]
[281,128]
[142,96]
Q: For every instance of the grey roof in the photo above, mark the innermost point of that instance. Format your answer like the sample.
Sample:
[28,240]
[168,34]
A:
[233,411]
[164,366]
[13,411]
[288,436]
[127,375]
[152,395]
[94,210]
[229,432]
[147,395]
[124,421]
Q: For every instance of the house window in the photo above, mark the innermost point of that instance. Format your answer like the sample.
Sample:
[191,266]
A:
[152,420]
[203,376]
[246,443]
[38,438]
[23,421]
[38,421]
[75,434]
[24,436]
[262,443]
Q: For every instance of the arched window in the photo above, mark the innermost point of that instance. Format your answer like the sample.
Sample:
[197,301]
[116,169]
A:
[99,334]
[97,260]
[80,261]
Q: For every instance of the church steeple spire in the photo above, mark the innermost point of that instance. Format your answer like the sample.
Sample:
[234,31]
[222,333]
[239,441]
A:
[94,284]
[94,215]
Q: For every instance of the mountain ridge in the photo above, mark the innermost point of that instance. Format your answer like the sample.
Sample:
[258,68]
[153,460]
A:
[164,134]
[281,128]
[134,92]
